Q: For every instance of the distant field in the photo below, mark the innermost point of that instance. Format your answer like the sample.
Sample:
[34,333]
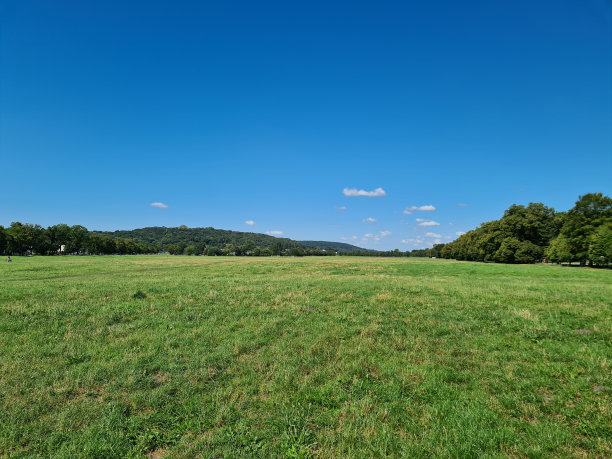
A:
[299,357]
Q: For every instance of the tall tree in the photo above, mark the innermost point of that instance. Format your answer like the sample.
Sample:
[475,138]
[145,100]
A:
[59,235]
[560,250]
[2,239]
[77,239]
[19,238]
[591,211]
[600,248]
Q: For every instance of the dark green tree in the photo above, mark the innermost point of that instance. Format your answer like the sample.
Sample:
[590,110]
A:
[590,211]
[19,238]
[2,239]
[600,248]
[277,248]
[59,235]
[77,238]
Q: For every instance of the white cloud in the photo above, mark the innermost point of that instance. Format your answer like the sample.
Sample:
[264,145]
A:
[375,237]
[369,220]
[427,208]
[352,238]
[436,235]
[274,233]
[406,212]
[354,192]
[159,205]
[459,233]
[412,241]
[461,204]
[340,207]
[249,222]
[424,222]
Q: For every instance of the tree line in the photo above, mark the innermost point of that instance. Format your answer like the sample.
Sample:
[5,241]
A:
[524,234]
[26,238]
[529,234]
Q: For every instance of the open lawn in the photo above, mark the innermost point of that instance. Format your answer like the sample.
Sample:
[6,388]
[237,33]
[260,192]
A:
[298,357]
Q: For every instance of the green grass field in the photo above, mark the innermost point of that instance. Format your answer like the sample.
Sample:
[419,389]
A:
[300,357]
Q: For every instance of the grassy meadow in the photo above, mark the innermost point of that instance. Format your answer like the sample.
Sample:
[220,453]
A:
[165,356]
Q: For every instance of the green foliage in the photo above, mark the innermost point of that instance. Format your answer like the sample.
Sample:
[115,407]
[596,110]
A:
[600,247]
[528,252]
[262,252]
[76,239]
[526,234]
[514,251]
[590,212]
[2,239]
[211,241]
[560,250]
[60,235]
[33,239]
[19,238]
[522,235]
[507,249]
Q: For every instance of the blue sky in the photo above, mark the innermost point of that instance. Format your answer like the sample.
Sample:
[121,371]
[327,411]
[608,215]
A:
[264,112]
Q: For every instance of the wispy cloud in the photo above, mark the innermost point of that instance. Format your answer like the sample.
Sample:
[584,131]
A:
[354,192]
[412,241]
[375,237]
[461,204]
[436,235]
[274,233]
[340,207]
[249,222]
[352,238]
[423,222]
[369,220]
[406,212]
[159,205]
[427,208]
[459,233]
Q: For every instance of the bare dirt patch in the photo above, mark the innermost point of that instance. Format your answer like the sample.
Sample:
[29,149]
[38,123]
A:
[160,377]
[157,454]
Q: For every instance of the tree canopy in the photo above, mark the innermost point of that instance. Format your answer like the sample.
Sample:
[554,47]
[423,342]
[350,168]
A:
[524,234]
[530,234]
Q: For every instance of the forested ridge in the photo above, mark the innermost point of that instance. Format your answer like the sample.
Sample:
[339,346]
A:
[26,238]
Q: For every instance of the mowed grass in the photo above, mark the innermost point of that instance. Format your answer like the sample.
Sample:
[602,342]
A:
[300,357]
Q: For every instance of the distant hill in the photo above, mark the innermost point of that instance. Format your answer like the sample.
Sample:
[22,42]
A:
[163,236]
[338,246]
